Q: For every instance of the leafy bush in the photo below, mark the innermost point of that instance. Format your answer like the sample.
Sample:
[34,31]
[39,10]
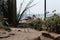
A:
[53,23]
[5,28]
[36,24]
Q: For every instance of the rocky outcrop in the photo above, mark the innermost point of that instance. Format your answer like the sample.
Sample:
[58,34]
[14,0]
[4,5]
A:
[47,35]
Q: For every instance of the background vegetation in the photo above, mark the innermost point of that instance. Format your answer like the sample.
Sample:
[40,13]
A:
[53,23]
[36,24]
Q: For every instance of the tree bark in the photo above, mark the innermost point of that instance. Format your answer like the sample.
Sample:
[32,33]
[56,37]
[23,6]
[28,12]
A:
[12,18]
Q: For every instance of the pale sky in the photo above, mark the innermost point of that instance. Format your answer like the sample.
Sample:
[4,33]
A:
[39,8]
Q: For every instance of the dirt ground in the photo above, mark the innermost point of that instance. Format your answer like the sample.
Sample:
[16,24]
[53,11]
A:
[25,34]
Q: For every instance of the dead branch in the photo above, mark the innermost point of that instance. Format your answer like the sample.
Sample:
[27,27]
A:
[29,3]
[32,6]
[20,8]
[26,9]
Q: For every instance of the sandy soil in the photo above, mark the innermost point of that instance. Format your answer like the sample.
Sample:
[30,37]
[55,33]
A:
[25,34]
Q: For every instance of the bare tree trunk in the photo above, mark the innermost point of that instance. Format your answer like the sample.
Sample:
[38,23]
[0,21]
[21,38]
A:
[12,18]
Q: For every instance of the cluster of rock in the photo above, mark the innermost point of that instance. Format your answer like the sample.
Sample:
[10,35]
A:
[5,34]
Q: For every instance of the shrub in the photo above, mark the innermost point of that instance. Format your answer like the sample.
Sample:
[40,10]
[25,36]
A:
[53,23]
[36,24]
[5,28]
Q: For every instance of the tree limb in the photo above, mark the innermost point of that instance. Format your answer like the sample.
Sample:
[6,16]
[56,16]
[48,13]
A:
[29,3]
[32,6]
[21,14]
[26,9]
[20,8]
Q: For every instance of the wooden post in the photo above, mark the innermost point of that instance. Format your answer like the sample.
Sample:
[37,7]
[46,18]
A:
[44,9]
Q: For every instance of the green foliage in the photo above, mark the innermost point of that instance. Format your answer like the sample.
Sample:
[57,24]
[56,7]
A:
[53,23]
[4,27]
[1,17]
[36,24]
[7,29]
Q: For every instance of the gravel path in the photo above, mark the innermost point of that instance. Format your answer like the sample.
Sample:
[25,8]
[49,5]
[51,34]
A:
[25,34]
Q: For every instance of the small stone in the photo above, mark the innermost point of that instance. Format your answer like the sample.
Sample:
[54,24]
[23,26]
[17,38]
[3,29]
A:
[19,30]
[11,33]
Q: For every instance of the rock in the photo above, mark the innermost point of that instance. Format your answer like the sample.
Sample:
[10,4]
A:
[4,35]
[58,38]
[19,30]
[47,35]
[11,33]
